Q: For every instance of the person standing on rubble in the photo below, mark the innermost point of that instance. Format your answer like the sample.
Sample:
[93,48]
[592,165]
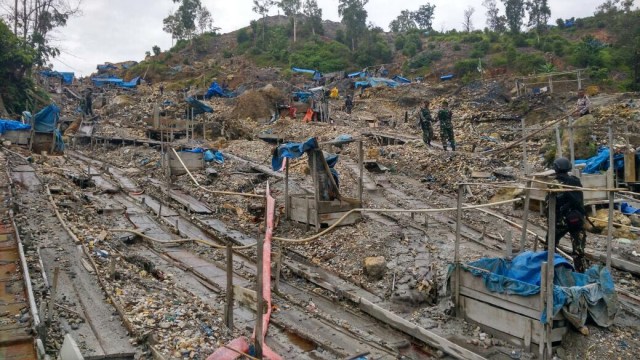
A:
[583,104]
[348,104]
[425,121]
[161,89]
[446,127]
[570,213]
[88,105]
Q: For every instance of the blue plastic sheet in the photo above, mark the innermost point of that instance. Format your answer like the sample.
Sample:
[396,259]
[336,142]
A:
[577,295]
[302,95]
[627,209]
[291,151]
[46,120]
[101,81]
[131,84]
[8,125]
[356,74]
[215,91]
[600,162]
[446,77]
[107,67]
[67,77]
[401,79]
[216,156]
[198,106]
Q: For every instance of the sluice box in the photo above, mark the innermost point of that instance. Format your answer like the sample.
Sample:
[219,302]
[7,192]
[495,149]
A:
[305,209]
[192,161]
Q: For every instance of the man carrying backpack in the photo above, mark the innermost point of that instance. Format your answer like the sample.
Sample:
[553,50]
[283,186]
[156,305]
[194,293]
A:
[570,213]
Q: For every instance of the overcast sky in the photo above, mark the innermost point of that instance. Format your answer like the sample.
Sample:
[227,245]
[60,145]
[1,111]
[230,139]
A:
[120,30]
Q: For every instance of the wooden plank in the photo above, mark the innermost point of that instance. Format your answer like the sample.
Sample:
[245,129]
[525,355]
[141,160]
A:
[330,219]
[499,302]
[420,333]
[507,321]
[629,167]
[472,282]
[334,206]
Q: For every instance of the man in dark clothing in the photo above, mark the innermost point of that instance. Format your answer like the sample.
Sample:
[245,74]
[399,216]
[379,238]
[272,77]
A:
[348,104]
[425,121]
[161,89]
[88,106]
[570,213]
[446,127]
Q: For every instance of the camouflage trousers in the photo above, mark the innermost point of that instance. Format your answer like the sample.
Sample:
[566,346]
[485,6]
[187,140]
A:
[578,242]
[427,133]
[446,135]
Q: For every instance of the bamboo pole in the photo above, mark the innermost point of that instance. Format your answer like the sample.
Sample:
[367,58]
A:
[228,313]
[457,249]
[551,246]
[611,195]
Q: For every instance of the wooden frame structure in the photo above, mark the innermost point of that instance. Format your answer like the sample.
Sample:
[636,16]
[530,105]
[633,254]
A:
[514,317]
[309,208]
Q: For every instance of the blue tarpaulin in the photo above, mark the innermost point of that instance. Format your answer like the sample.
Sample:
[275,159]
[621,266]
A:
[8,125]
[316,74]
[46,121]
[100,81]
[131,84]
[216,91]
[198,106]
[576,294]
[302,95]
[446,77]
[107,67]
[356,74]
[627,209]
[401,79]
[600,162]
[376,82]
[214,156]
[296,150]
[67,77]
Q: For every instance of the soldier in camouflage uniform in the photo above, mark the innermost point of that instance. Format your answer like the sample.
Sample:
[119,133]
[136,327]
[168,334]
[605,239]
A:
[446,127]
[570,213]
[425,121]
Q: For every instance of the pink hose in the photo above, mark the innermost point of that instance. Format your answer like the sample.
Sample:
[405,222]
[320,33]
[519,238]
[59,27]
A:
[240,344]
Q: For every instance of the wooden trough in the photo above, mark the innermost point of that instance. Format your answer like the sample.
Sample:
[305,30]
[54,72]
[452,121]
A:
[193,161]
[592,181]
[19,137]
[513,318]
[304,210]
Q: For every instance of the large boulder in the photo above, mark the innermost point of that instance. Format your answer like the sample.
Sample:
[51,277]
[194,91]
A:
[583,145]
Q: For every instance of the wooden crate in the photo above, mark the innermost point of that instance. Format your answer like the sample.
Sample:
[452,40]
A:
[303,209]
[193,162]
[43,142]
[592,181]
[513,318]
[19,137]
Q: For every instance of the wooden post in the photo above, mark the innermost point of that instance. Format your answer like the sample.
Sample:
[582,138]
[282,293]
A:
[361,169]
[579,81]
[259,294]
[286,190]
[112,268]
[525,216]
[457,249]
[525,161]
[543,300]
[508,239]
[610,193]
[279,267]
[54,288]
[558,143]
[316,186]
[571,145]
[551,245]
[550,85]
[228,310]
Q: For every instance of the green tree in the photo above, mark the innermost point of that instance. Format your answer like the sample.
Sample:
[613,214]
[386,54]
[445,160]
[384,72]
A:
[205,20]
[354,16]
[16,59]
[314,16]
[34,22]
[539,13]
[156,50]
[514,10]
[173,25]
[182,24]
[403,23]
[424,16]
[262,7]
[291,8]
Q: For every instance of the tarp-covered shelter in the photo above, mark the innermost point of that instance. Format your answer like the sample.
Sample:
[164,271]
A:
[46,122]
[198,106]
[374,81]
[600,162]
[12,125]
[401,80]
[215,90]
[67,77]
[105,67]
[316,74]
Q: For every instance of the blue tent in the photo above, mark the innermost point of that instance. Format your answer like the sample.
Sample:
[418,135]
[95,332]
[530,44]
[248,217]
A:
[67,77]
[101,81]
